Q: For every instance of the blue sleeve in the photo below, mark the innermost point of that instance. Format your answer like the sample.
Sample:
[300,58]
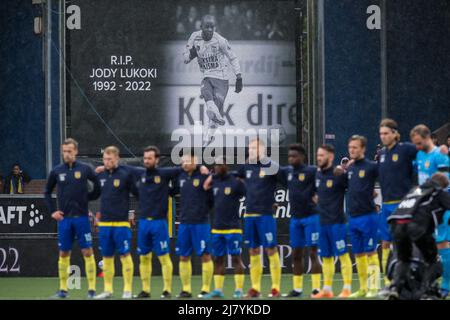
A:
[95,193]
[314,176]
[343,180]
[51,183]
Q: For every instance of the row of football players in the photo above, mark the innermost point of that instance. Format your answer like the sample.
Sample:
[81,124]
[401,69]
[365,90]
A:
[316,197]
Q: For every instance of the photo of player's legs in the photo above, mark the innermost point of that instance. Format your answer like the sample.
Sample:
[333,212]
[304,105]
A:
[304,236]
[153,237]
[224,244]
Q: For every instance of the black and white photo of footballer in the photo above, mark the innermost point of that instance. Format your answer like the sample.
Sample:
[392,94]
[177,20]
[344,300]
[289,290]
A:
[214,55]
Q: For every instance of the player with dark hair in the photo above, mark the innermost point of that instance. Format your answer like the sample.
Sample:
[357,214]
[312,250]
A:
[331,185]
[226,231]
[304,222]
[72,178]
[214,55]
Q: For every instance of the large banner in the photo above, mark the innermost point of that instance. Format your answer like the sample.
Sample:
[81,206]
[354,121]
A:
[129,84]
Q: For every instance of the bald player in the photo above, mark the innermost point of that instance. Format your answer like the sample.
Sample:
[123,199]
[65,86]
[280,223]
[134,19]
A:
[214,55]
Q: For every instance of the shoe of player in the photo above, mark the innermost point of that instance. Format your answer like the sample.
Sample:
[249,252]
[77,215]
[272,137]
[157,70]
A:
[372,293]
[104,295]
[127,295]
[358,294]
[323,294]
[202,294]
[238,294]
[214,294]
[166,295]
[91,294]
[293,294]
[60,294]
[444,293]
[274,293]
[252,293]
[184,294]
[142,295]
[345,293]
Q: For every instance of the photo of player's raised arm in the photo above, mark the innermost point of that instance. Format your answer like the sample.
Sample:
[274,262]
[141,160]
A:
[225,157]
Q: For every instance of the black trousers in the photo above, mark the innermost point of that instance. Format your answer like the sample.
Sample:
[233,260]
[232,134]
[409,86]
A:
[405,235]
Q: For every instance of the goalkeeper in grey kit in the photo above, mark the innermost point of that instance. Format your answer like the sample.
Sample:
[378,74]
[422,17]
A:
[213,55]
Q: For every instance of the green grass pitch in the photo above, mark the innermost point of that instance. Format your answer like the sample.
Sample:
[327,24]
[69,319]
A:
[43,288]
